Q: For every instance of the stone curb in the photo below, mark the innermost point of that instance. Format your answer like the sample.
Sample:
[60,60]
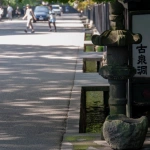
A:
[72,125]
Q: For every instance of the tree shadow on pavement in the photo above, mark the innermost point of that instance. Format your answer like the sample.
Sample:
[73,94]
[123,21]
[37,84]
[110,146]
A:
[36,83]
[41,30]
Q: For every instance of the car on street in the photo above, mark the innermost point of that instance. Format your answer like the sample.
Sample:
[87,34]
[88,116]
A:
[57,9]
[41,13]
[67,9]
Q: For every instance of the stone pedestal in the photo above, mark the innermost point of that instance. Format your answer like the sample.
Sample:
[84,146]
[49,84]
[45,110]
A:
[120,132]
[123,133]
[117,70]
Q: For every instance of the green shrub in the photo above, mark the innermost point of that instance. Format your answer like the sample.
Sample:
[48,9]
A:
[99,48]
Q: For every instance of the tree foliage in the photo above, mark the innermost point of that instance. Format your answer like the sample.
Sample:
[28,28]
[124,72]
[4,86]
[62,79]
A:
[81,5]
[66,1]
[19,2]
[100,1]
[57,1]
[36,2]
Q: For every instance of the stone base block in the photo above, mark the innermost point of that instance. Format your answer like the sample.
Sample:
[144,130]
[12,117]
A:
[123,133]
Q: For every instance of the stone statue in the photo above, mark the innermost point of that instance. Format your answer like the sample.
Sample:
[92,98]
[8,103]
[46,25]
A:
[119,131]
[117,35]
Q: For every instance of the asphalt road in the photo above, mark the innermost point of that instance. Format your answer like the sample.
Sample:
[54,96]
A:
[36,78]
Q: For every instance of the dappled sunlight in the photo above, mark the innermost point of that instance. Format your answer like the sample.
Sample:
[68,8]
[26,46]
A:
[8,56]
[48,113]
[36,78]
[19,72]
[71,39]
[9,90]
[6,137]
[52,88]
[23,104]
[25,80]
[38,108]
[68,21]
[7,71]
[24,64]
[69,25]
[56,57]
[15,21]
[55,71]
[53,98]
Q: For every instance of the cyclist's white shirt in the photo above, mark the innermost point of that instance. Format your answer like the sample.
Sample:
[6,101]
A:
[52,14]
[28,13]
[1,11]
[9,9]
